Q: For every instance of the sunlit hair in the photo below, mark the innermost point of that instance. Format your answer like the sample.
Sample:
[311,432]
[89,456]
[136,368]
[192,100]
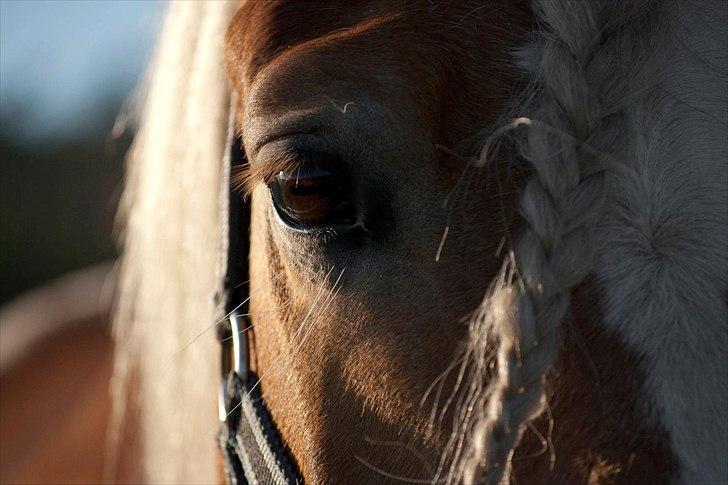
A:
[246,176]
[172,214]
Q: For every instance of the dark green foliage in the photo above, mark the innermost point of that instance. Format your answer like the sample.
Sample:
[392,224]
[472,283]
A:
[57,203]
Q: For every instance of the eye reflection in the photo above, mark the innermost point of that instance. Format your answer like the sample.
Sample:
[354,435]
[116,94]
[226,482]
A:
[311,195]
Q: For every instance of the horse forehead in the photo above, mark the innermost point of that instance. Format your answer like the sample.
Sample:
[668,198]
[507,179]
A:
[286,57]
[427,59]
[261,31]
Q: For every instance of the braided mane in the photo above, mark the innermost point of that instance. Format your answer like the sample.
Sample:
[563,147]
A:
[571,133]
[625,133]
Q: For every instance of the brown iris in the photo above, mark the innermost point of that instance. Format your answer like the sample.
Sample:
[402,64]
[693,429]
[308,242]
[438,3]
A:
[311,195]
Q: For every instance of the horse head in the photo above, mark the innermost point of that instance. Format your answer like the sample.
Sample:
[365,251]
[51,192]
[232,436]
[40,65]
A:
[457,214]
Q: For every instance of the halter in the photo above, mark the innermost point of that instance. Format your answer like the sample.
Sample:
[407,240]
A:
[252,450]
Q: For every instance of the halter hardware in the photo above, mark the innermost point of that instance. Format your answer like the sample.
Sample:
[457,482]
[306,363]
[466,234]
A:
[233,357]
[252,450]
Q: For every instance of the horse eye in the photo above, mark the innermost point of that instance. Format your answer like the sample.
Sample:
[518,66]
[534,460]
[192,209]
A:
[311,195]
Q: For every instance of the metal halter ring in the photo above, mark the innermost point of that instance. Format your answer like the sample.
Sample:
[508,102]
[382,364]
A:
[233,356]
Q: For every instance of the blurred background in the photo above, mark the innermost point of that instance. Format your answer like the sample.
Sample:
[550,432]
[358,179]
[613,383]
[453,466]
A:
[68,71]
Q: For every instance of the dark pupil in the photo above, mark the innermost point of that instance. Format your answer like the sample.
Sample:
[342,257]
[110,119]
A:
[310,195]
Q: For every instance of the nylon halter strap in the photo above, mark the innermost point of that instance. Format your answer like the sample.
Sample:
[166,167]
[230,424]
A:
[252,450]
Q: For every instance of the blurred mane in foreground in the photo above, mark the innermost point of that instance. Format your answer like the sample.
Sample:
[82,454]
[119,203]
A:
[173,265]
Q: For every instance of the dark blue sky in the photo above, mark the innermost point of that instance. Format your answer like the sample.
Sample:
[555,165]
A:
[60,59]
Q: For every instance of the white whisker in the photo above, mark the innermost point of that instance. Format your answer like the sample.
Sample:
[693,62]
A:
[393,476]
[293,337]
[218,322]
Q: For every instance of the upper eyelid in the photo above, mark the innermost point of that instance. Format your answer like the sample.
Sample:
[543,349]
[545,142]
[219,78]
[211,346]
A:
[274,158]
[247,176]
[298,142]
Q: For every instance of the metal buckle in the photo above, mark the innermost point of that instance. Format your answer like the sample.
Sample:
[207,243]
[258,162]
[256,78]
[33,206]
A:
[233,357]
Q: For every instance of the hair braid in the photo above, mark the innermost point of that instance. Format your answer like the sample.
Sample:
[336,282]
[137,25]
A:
[562,200]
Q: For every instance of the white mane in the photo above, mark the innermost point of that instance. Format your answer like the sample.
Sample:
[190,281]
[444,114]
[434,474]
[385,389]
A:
[172,266]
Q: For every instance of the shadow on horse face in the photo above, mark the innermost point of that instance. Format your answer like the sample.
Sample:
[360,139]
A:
[355,321]
[345,366]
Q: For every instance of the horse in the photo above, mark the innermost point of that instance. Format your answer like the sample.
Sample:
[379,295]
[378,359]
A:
[55,364]
[487,240]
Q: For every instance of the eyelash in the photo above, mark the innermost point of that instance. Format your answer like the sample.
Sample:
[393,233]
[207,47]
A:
[246,176]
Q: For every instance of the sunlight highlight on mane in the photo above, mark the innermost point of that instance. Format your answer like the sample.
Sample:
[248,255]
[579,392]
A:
[172,265]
